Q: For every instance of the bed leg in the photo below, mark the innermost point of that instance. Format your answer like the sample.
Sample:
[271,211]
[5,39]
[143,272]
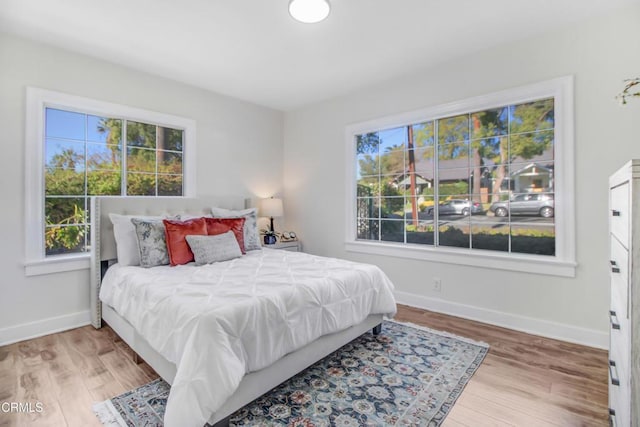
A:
[223,423]
[377,329]
[137,359]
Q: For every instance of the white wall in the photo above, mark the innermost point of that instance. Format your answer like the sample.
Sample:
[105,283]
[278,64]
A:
[600,54]
[239,149]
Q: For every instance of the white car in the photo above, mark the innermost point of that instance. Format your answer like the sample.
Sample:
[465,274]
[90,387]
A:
[457,207]
[526,204]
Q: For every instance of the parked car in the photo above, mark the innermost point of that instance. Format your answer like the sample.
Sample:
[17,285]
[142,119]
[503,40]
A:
[457,207]
[525,204]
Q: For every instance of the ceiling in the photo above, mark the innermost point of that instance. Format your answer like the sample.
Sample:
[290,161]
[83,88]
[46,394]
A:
[253,50]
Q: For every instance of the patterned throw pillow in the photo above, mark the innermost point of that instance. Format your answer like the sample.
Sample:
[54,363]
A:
[127,247]
[251,234]
[151,241]
[208,249]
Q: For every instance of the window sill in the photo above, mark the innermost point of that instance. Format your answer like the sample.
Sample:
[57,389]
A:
[57,264]
[476,258]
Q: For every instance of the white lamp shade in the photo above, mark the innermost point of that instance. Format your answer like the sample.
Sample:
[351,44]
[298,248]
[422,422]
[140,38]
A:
[271,207]
[309,11]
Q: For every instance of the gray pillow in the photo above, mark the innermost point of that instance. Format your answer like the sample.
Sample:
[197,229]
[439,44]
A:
[124,231]
[208,249]
[251,233]
[151,241]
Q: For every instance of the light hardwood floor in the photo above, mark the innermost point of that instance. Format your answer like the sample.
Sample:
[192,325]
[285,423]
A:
[525,380]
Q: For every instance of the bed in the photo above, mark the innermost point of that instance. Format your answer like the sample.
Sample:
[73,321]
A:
[202,393]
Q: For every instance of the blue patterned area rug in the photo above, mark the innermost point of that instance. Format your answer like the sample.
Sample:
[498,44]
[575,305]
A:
[407,375]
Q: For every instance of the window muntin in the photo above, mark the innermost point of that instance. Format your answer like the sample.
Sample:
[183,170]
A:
[37,101]
[460,166]
[83,158]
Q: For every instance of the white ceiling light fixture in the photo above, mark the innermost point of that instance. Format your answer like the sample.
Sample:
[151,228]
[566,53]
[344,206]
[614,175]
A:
[309,11]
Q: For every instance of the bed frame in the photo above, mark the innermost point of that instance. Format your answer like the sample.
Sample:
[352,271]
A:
[254,384]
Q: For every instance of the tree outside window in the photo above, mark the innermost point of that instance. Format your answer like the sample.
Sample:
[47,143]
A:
[440,182]
[84,157]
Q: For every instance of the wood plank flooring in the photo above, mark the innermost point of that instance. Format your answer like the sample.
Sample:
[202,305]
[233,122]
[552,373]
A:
[525,380]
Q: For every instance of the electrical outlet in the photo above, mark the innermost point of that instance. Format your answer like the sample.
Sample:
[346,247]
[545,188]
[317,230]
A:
[437,284]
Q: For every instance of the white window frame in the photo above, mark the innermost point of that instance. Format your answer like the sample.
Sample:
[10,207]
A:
[564,262]
[38,100]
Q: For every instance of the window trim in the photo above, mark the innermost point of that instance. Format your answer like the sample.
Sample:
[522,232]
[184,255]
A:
[564,262]
[37,99]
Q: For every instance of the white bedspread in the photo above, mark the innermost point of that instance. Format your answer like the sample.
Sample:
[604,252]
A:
[220,321]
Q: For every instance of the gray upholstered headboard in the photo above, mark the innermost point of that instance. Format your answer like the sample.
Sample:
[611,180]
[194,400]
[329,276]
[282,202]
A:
[102,238]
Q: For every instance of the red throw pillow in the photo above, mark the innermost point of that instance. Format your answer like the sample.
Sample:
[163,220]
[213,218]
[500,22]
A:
[175,233]
[217,226]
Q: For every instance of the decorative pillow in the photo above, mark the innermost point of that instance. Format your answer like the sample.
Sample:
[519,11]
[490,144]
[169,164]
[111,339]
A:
[175,233]
[217,226]
[189,215]
[208,249]
[251,234]
[151,241]
[126,240]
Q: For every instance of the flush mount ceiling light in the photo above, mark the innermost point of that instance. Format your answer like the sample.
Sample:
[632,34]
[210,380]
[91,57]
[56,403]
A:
[309,11]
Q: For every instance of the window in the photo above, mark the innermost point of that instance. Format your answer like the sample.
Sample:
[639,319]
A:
[78,148]
[489,177]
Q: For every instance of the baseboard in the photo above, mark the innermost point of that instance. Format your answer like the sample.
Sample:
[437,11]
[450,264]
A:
[48,326]
[544,328]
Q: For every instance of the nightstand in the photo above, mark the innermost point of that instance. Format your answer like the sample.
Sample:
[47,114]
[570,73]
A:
[293,246]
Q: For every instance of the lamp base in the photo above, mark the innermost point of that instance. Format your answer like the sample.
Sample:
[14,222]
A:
[269,240]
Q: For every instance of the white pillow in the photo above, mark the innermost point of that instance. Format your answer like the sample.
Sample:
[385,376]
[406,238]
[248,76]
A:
[209,249]
[126,239]
[251,233]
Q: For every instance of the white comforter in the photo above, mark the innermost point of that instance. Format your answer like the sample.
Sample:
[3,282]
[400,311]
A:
[220,321]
